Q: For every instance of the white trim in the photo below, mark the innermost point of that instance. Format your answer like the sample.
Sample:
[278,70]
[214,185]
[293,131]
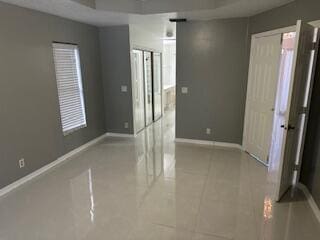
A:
[49,166]
[257,159]
[209,143]
[194,141]
[122,135]
[228,145]
[275,32]
[310,199]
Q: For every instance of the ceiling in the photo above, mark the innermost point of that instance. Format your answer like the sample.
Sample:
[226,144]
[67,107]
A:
[118,12]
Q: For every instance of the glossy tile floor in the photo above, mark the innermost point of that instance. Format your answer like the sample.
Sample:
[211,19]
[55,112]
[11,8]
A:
[150,188]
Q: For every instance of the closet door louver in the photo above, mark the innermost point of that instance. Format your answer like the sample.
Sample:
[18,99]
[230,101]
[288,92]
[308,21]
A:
[69,83]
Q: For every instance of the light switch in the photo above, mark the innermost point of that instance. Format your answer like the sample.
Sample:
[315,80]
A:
[184,90]
[124,88]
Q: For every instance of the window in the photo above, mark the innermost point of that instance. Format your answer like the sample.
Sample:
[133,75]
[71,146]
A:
[69,83]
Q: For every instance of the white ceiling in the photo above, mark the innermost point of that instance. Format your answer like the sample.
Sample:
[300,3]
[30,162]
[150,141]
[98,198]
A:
[118,12]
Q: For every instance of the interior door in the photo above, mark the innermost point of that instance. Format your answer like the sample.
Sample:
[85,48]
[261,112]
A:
[297,88]
[148,88]
[157,86]
[261,94]
[137,57]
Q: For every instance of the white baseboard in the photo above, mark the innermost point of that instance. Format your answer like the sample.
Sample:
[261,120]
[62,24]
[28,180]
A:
[123,135]
[227,145]
[193,141]
[310,199]
[49,166]
[209,143]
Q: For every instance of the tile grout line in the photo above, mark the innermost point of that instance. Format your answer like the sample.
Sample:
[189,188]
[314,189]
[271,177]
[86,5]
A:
[203,192]
[202,197]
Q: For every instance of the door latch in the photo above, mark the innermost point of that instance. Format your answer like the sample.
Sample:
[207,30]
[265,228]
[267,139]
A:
[284,127]
[290,127]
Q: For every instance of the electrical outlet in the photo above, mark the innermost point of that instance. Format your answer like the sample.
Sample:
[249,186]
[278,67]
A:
[21,163]
[126,125]
[184,90]
[124,88]
[208,131]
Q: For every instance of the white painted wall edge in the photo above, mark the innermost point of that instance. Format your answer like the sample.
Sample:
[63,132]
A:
[109,134]
[209,143]
[310,199]
[49,166]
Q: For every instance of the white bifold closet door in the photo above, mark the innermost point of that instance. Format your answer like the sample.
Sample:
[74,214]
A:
[261,94]
[137,65]
[157,86]
[148,88]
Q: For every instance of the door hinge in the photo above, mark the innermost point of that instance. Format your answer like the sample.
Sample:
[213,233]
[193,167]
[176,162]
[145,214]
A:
[296,168]
[314,45]
[303,110]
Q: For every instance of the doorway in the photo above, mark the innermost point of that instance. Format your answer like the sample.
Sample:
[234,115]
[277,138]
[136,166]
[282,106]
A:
[262,85]
[169,75]
[279,81]
[169,85]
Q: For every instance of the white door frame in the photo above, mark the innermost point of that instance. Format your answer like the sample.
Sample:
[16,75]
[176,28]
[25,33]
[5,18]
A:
[275,31]
[270,33]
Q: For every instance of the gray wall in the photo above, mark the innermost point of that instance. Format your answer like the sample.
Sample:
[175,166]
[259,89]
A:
[287,15]
[116,70]
[212,62]
[30,125]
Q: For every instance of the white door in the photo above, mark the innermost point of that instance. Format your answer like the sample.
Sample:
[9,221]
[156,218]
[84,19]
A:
[148,87]
[261,94]
[137,58]
[157,86]
[297,89]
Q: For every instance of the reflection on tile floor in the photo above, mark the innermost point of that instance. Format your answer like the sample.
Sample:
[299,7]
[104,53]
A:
[150,188]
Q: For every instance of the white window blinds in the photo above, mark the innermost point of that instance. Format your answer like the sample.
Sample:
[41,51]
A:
[69,83]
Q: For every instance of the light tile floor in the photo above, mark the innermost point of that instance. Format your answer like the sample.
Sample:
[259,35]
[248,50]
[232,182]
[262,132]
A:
[151,188]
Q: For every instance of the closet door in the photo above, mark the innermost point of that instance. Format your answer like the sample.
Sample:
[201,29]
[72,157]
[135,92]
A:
[137,58]
[261,95]
[148,87]
[157,86]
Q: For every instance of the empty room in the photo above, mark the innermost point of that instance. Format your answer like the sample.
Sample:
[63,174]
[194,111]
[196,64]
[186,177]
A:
[159,120]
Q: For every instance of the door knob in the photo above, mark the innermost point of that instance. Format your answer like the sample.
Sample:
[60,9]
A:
[284,127]
[290,127]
